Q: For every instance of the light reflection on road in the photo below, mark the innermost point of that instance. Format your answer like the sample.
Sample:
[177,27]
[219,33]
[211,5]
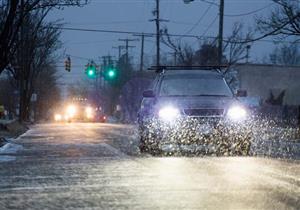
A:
[81,165]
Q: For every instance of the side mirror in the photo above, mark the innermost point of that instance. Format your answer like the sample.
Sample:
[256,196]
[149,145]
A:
[148,94]
[241,93]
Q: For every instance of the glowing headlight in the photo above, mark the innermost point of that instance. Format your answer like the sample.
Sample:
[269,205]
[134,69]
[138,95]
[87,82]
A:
[57,117]
[71,111]
[168,113]
[237,113]
[89,112]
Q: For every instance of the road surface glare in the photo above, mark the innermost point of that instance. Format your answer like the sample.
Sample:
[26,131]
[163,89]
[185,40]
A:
[98,166]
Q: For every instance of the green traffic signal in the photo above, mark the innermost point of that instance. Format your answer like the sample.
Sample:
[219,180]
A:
[110,74]
[91,71]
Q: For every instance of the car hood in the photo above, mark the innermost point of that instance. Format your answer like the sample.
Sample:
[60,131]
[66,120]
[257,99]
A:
[197,102]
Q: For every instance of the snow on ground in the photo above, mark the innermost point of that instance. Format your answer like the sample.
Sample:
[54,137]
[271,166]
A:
[7,151]
[10,148]
[6,158]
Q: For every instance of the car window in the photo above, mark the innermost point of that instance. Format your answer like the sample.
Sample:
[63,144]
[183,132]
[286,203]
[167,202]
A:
[194,86]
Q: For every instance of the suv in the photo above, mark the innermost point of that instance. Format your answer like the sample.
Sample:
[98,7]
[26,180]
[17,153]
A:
[193,111]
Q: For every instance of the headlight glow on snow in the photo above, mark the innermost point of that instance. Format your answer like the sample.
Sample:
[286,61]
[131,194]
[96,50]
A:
[237,113]
[168,113]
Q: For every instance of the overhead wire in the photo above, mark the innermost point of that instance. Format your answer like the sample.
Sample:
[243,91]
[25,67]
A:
[200,19]
[260,39]
[249,13]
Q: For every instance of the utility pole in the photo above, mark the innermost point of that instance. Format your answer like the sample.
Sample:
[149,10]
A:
[157,35]
[120,47]
[142,48]
[142,53]
[175,57]
[221,23]
[248,51]
[157,23]
[174,54]
[108,61]
[127,47]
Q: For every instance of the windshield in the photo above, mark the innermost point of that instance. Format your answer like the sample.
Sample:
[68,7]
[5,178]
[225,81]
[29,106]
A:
[194,86]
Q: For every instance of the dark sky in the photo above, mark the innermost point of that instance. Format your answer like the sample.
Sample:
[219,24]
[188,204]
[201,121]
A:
[134,15]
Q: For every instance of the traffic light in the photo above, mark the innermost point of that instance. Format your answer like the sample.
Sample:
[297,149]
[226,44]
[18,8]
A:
[68,64]
[110,73]
[91,71]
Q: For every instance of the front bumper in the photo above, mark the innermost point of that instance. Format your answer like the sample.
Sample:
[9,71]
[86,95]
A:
[194,133]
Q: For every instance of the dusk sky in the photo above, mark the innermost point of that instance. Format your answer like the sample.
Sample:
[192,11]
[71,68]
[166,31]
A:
[197,18]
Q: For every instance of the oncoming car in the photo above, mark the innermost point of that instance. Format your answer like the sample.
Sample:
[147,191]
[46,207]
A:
[78,112]
[193,111]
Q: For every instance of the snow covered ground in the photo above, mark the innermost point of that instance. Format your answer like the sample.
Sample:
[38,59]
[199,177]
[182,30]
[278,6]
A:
[8,150]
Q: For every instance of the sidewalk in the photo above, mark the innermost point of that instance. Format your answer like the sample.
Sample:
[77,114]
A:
[11,128]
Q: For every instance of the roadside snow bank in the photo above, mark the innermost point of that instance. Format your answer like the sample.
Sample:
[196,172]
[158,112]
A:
[10,148]
[6,158]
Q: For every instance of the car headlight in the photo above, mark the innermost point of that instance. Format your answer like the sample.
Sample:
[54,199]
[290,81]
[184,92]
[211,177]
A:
[71,111]
[89,112]
[57,117]
[168,113]
[237,113]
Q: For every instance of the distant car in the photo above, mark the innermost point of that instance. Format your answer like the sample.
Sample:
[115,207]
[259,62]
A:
[76,112]
[102,118]
[192,110]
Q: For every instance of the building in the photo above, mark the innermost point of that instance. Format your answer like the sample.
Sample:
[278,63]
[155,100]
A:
[262,80]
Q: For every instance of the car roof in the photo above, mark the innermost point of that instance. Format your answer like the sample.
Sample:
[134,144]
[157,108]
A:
[213,73]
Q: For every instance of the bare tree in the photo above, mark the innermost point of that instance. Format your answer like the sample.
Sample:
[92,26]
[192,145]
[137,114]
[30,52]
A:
[12,14]
[207,54]
[284,20]
[184,53]
[233,48]
[285,54]
[36,48]
[48,95]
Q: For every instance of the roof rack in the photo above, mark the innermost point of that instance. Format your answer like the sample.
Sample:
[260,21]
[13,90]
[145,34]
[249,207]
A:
[161,69]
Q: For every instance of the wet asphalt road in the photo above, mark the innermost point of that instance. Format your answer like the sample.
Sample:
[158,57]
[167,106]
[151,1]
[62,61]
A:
[98,166]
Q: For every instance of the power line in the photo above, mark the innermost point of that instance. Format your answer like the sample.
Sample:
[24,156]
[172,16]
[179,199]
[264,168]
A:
[127,46]
[200,19]
[249,13]
[210,25]
[78,57]
[210,2]
[259,39]
[104,23]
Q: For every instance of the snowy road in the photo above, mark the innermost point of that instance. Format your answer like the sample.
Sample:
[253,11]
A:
[98,166]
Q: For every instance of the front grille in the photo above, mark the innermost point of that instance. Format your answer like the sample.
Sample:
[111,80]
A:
[204,112]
